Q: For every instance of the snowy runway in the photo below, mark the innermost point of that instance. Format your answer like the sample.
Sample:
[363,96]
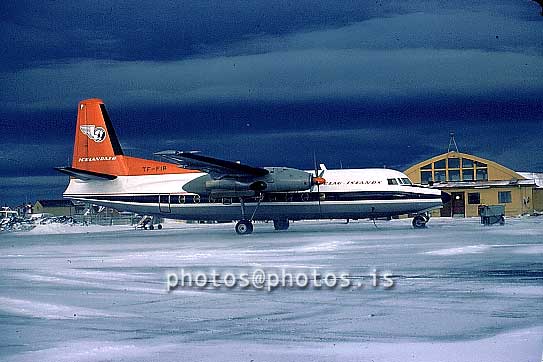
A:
[463,293]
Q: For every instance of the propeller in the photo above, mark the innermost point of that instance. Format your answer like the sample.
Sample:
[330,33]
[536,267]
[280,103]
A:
[540,2]
[318,180]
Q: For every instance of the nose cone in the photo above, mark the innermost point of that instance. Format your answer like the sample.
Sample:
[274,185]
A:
[445,197]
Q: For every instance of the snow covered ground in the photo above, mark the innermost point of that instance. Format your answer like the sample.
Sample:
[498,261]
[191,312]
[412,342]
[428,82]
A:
[463,292]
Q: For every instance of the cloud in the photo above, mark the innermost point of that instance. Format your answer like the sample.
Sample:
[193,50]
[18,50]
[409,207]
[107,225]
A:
[19,159]
[17,190]
[34,33]
[446,29]
[367,83]
[37,33]
[397,50]
[279,76]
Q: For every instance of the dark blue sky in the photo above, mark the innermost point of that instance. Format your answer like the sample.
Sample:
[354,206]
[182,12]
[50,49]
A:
[270,82]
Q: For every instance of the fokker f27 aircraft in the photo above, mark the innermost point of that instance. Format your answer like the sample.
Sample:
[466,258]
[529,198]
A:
[195,187]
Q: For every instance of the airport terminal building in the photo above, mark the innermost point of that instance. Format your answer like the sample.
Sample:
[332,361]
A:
[473,181]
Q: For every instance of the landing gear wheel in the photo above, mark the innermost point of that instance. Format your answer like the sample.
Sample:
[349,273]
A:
[244,227]
[419,222]
[159,226]
[281,224]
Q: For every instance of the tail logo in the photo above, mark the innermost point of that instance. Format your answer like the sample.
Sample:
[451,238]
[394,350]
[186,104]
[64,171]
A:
[97,134]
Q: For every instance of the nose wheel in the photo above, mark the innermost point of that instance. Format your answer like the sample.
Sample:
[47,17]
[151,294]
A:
[244,227]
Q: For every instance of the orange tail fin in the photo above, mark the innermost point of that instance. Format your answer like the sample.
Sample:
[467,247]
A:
[97,149]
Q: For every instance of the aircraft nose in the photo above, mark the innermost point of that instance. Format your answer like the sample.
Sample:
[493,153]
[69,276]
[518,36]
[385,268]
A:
[445,197]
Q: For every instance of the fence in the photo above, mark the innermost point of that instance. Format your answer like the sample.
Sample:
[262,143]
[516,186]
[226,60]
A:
[107,220]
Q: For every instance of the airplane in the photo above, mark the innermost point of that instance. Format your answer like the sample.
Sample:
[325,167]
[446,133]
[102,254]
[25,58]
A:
[191,186]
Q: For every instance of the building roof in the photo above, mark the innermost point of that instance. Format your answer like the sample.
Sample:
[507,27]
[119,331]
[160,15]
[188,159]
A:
[56,203]
[482,184]
[512,174]
[536,176]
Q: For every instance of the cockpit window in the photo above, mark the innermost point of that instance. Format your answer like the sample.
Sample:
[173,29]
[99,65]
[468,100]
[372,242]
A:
[406,181]
[392,181]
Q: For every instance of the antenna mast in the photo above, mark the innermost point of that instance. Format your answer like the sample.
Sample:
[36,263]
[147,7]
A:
[452,143]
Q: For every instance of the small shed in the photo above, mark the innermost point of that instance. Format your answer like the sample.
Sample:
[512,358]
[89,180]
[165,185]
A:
[54,207]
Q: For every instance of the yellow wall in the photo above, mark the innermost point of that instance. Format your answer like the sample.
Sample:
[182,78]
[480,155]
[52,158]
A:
[524,199]
[538,199]
[57,211]
[521,199]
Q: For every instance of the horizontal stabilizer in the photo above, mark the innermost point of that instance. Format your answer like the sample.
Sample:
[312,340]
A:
[85,175]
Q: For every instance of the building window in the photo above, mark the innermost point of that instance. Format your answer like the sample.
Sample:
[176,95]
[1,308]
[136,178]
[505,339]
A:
[480,164]
[454,175]
[504,197]
[467,174]
[454,163]
[439,176]
[482,174]
[425,177]
[427,167]
[474,198]
[439,164]
[466,162]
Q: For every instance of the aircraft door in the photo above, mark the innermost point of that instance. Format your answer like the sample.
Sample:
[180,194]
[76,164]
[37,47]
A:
[164,203]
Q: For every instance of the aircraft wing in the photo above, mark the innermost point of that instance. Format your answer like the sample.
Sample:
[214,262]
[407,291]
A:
[216,167]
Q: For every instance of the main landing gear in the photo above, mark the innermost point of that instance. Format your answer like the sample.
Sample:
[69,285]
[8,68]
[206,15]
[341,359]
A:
[245,226]
[420,220]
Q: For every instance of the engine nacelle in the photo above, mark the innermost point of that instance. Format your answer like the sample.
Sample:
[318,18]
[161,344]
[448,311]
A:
[279,179]
[226,184]
[284,179]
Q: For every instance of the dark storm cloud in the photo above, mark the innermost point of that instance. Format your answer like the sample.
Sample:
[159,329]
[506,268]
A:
[332,51]
[280,77]
[41,32]
[366,84]
[461,29]
[18,190]
[45,31]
